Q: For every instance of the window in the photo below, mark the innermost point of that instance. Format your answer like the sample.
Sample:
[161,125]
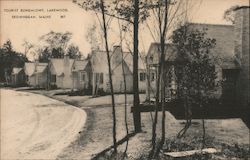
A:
[151,58]
[53,78]
[82,76]
[152,76]
[142,76]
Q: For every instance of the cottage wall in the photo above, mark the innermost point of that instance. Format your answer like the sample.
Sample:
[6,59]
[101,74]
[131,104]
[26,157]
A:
[31,80]
[42,79]
[59,81]
[142,84]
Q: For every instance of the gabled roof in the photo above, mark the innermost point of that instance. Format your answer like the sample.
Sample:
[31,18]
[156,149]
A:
[79,65]
[33,67]
[223,51]
[100,63]
[16,70]
[58,65]
[224,35]
[170,50]
[128,57]
[40,68]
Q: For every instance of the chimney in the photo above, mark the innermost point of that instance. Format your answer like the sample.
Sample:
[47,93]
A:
[36,64]
[117,54]
[66,60]
[241,32]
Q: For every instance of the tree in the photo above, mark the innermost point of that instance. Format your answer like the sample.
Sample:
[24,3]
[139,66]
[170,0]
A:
[229,14]
[56,45]
[164,14]
[137,115]
[73,51]
[93,38]
[196,78]
[27,47]
[133,12]
[44,54]
[9,59]
[101,7]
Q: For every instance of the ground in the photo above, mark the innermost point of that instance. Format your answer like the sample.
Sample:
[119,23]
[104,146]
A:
[229,135]
[36,127]
[97,133]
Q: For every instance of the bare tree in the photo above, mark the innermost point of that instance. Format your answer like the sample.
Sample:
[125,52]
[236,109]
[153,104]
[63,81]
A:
[100,6]
[93,37]
[27,47]
[125,90]
[164,13]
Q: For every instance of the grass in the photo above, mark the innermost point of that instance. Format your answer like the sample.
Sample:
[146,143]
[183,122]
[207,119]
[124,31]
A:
[230,136]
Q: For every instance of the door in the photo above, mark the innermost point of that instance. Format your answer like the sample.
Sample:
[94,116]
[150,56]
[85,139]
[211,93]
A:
[229,85]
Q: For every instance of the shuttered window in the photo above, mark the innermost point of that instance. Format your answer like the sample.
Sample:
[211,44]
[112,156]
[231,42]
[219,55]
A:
[142,76]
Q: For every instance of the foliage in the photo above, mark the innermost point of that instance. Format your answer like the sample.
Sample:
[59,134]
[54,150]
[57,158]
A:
[229,14]
[74,52]
[123,10]
[9,59]
[27,47]
[57,45]
[93,38]
[44,54]
[196,70]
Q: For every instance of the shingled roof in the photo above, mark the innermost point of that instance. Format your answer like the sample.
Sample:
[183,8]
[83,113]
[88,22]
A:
[100,64]
[223,51]
[58,65]
[224,35]
[79,65]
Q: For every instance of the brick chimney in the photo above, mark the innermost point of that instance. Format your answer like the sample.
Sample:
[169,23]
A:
[241,32]
[116,55]
[67,72]
[36,64]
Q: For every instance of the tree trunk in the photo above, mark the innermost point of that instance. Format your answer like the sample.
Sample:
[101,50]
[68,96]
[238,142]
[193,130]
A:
[136,113]
[204,133]
[125,94]
[110,75]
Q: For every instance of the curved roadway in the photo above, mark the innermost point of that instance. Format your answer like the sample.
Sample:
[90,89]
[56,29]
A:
[36,127]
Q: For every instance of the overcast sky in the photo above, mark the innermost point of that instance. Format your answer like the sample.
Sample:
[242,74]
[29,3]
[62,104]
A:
[77,20]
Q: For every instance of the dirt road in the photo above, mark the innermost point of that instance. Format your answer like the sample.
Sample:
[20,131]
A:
[36,127]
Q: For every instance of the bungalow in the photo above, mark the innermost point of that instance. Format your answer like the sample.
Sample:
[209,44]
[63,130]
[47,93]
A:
[82,75]
[17,77]
[100,78]
[61,72]
[36,74]
[224,51]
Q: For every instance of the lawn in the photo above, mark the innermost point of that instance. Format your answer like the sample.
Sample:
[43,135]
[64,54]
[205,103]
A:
[231,136]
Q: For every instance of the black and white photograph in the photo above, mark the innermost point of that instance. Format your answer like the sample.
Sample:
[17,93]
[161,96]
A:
[124,80]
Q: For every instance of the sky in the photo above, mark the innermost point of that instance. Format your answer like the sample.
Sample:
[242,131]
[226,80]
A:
[74,19]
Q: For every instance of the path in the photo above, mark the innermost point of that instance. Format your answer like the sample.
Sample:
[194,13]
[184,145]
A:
[36,127]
